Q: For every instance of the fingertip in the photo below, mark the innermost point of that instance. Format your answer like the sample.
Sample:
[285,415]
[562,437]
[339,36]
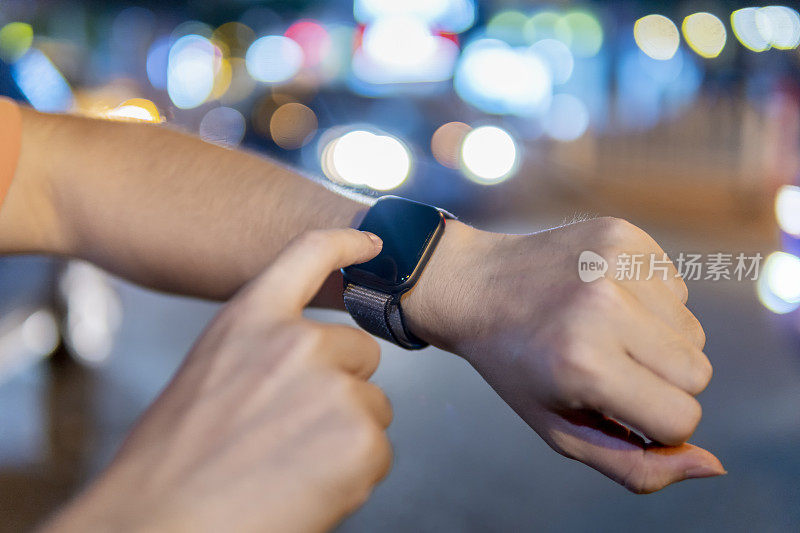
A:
[377,242]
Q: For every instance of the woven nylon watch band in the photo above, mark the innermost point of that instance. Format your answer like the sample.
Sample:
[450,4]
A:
[380,314]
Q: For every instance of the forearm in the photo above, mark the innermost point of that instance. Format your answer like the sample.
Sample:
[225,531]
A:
[160,208]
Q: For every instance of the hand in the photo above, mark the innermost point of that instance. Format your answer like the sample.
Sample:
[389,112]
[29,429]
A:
[269,425]
[575,359]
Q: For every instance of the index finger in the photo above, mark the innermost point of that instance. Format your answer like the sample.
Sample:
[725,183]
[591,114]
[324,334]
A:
[297,274]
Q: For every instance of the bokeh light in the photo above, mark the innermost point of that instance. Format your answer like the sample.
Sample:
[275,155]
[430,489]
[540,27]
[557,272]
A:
[705,34]
[191,71]
[496,78]
[15,39]
[293,125]
[509,26]
[313,38]
[453,16]
[446,143]
[362,158]
[158,62]
[558,58]
[274,59]
[403,50]
[787,209]
[585,31]
[42,83]
[136,110]
[224,126]
[547,25]
[567,119]
[237,37]
[488,155]
[743,22]
[241,83]
[40,333]
[657,36]
[779,284]
[779,26]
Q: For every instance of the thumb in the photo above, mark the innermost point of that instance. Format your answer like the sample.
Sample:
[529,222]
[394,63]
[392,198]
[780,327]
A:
[297,274]
[626,458]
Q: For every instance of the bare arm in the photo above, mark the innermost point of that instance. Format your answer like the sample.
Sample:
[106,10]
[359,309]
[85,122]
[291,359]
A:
[161,208]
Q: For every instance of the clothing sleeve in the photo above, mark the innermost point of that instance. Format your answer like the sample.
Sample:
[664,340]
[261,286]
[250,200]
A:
[10,143]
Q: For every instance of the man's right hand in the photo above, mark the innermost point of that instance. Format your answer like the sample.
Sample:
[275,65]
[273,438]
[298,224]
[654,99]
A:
[270,425]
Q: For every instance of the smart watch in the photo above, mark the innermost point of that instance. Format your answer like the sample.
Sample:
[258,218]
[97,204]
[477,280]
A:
[373,290]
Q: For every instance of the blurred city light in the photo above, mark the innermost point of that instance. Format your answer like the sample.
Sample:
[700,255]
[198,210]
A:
[787,209]
[15,39]
[508,26]
[293,125]
[705,34]
[586,33]
[547,25]
[657,36]
[136,109]
[453,16]
[403,50]
[496,78]
[446,143]
[558,58]
[241,84]
[363,158]
[191,70]
[745,27]
[779,26]
[274,59]
[40,334]
[567,119]
[224,126]
[94,312]
[42,83]
[158,62]
[489,155]
[313,38]
[779,284]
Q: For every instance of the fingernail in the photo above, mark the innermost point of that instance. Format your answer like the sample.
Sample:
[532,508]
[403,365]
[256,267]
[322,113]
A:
[375,239]
[704,471]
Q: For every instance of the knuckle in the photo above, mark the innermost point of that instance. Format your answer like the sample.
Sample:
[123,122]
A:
[601,295]
[685,423]
[616,229]
[702,373]
[577,376]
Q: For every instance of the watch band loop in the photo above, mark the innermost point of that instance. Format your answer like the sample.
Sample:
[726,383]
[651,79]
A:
[380,314]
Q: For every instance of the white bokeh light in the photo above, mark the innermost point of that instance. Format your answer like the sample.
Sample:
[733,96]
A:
[567,119]
[190,71]
[779,26]
[489,155]
[274,59]
[779,283]
[400,41]
[363,158]
[497,78]
[787,209]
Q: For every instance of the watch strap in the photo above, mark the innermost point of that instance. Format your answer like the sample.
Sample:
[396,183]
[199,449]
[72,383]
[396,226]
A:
[380,314]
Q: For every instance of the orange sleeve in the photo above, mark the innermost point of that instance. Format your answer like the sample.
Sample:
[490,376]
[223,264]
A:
[10,142]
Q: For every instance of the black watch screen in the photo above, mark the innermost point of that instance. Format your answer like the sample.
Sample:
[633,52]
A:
[410,231]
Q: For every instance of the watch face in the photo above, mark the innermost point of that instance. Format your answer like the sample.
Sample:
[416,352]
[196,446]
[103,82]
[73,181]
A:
[409,231]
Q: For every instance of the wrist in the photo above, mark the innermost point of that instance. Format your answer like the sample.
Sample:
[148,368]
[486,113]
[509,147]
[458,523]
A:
[31,221]
[439,308]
